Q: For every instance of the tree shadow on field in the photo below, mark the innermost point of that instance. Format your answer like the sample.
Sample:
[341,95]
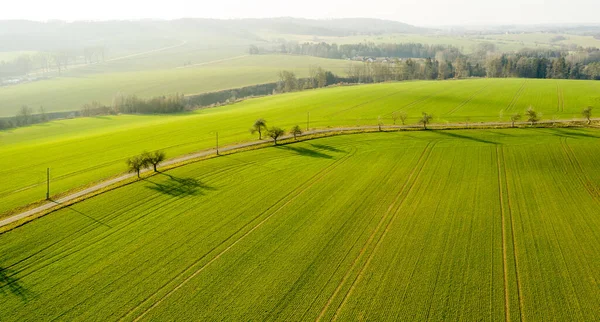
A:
[572,133]
[305,151]
[81,213]
[180,187]
[11,285]
[103,117]
[326,148]
[459,136]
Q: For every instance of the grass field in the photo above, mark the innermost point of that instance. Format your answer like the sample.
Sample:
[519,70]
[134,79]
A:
[472,225]
[85,150]
[69,93]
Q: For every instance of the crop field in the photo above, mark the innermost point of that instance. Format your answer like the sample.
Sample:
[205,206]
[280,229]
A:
[478,225]
[70,92]
[85,150]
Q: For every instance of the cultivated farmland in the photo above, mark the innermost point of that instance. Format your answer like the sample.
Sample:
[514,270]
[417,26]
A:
[439,225]
[85,150]
[70,92]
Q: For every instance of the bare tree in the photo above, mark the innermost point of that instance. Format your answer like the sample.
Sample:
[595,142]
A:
[24,115]
[154,158]
[258,126]
[136,164]
[514,118]
[43,115]
[296,130]
[275,133]
[587,113]
[426,119]
[532,115]
[403,116]
[395,117]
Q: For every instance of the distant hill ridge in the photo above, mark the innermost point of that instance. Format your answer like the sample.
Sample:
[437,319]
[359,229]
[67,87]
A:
[34,35]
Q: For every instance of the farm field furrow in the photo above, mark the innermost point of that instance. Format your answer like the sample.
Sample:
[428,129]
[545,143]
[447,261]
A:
[440,225]
[86,150]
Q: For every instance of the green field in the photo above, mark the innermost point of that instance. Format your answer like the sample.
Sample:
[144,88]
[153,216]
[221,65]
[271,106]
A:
[70,92]
[85,150]
[477,225]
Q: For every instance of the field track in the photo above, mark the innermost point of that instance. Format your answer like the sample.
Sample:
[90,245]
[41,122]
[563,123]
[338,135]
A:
[108,183]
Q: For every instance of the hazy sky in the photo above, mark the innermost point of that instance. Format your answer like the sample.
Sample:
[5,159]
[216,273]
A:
[417,12]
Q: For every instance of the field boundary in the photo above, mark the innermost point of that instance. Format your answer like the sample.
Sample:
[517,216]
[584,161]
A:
[27,213]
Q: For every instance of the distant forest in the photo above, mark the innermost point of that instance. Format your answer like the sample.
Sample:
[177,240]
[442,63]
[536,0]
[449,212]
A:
[420,61]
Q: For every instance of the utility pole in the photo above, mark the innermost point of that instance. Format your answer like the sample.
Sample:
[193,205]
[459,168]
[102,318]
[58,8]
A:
[217,143]
[307,120]
[48,184]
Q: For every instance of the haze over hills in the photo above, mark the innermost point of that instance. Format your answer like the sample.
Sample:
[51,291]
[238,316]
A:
[40,36]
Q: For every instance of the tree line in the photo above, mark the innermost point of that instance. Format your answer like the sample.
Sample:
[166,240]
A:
[348,51]
[47,61]
[137,163]
[420,61]
[132,104]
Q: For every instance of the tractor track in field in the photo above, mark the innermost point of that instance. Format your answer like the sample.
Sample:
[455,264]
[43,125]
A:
[420,165]
[560,97]
[589,186]
[504,255]
[512,237]
[326,249]
[66,250]
[291,196]
[417,101]
[468,100]
[365,103]
[516,97]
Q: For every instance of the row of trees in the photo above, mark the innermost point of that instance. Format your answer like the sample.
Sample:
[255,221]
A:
[137,163]
[46,61]
[317,77]
[28,116]
[146,159]
[260,127]
[349,51]
[132,104]
[410,69]
[419,61]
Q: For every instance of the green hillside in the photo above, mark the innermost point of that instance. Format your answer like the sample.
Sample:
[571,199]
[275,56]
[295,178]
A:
[436,225]
[85,150]
[80,86]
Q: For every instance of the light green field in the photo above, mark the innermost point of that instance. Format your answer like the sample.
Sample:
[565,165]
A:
[536,39]
[472,225]
[70,93]
[86,150]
